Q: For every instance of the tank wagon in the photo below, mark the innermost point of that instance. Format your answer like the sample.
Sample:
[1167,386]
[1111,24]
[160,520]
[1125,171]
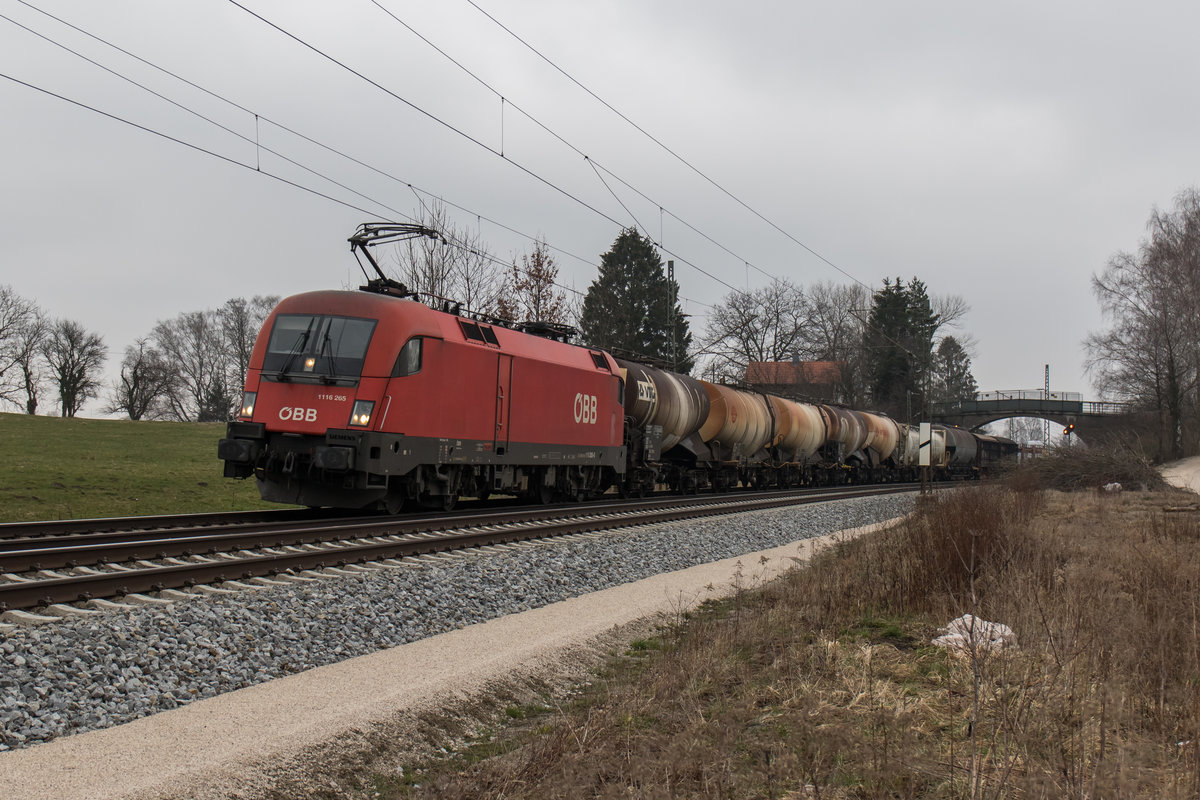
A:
[372,399]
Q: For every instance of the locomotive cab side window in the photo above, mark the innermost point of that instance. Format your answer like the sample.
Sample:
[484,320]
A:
[317,345]
[409,360]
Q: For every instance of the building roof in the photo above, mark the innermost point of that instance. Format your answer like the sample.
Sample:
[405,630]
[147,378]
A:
[808,373]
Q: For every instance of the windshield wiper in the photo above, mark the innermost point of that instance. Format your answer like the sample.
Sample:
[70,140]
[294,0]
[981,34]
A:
[327,347]
[297,348]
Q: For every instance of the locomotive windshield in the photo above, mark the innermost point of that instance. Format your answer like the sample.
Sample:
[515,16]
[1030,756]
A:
[320,346]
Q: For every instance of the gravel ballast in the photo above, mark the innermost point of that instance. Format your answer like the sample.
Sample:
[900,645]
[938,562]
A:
[93,673]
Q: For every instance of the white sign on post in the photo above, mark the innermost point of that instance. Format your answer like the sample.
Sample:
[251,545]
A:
[923,458]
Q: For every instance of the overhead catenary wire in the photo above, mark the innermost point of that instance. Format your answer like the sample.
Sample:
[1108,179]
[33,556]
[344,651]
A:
[259,147]
[461,133]
[662,145]
[256,141]
[429,115]
[449,239]
[417,190]
[256,167]
[235,162]
[185,143]
[596,167]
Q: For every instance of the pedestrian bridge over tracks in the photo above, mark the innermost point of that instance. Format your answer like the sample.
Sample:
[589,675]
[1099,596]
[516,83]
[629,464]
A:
[1091,418]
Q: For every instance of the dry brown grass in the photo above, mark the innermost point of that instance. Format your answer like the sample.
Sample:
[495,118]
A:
[1072,468]
[824,685]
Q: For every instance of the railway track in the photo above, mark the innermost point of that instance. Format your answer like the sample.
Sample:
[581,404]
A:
[68,527]
[60,566]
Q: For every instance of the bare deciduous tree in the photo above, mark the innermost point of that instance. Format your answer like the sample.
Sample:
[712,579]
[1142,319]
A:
[75,358]
[455,267]
[193,345]
[30,361]
[240,321]
[530,293]
[23,330]
[764,325]
[145,383]
[477,279]
[1151,354]
[836,332]
[950,309]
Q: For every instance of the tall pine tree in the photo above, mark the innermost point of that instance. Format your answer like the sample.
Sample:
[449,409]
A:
[952,379]
[899,339]
[629,307]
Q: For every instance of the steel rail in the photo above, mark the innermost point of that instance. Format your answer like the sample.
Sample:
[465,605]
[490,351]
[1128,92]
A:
[63,527]
[31,593]
[83,549]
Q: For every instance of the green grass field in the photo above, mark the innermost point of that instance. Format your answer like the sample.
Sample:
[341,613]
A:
[53,468]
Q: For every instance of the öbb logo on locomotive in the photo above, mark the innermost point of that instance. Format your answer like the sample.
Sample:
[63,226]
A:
[585,408]
[298,414]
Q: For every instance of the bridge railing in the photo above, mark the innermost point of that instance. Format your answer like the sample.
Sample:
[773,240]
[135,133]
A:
[1030,402]
[1029,394]
[1029,406]
[1106,407]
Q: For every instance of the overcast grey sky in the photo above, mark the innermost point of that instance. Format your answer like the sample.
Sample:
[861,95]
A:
[1001,152]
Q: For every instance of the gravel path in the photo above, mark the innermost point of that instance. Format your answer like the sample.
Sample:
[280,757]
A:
[89,674]
[1184,473]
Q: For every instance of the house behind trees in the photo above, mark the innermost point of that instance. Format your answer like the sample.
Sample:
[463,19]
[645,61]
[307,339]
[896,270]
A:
[805,380]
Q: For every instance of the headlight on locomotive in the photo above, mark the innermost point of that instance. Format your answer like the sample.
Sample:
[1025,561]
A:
[360,417]
[247,411]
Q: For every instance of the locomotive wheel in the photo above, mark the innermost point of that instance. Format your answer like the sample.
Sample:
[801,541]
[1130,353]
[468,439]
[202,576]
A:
[545,494]
[394,503]
[449,501]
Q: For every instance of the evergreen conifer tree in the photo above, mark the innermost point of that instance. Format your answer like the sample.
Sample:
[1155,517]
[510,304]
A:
[953,379]
[899,341]
[631,306]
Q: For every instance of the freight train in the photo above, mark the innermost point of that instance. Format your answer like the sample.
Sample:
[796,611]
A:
[370,399]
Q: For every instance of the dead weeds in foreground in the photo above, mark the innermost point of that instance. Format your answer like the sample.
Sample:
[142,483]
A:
[824,685]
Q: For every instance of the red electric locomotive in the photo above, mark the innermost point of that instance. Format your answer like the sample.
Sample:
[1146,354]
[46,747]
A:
[358,399]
